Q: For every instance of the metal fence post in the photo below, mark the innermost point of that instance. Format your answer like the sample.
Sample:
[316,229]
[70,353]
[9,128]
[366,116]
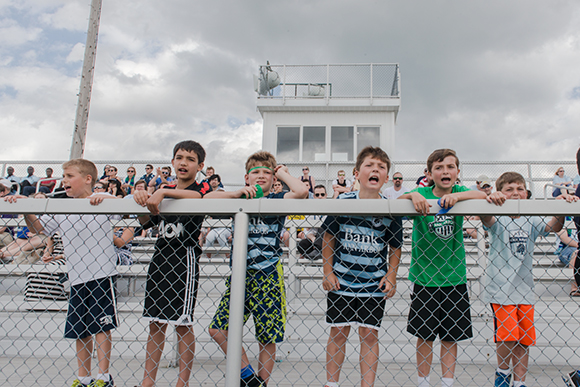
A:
[293,285]
[237,296]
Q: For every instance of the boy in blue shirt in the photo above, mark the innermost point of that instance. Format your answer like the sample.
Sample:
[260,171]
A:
[356,273]
[265,296]
[509,284]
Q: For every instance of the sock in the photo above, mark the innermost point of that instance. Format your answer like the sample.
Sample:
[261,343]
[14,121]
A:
[104,377]
[447,382]
[423,382]
[86,379]
[247,371]
[502,371]
[519,383]
[331,384]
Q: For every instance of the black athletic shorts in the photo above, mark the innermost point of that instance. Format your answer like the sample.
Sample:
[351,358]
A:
[440,311]
[92,308]
[351,310]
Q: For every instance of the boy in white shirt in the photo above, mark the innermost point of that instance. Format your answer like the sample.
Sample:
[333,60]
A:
[91,265]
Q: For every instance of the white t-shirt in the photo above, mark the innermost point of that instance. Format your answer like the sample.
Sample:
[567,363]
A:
[390,192]
[88,244]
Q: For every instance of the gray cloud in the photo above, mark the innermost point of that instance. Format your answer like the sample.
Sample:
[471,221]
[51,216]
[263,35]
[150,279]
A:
[492,79]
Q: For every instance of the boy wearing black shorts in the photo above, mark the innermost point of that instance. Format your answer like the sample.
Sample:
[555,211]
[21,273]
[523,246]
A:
[439,302]
[173,276]
[357,276]
[265,297]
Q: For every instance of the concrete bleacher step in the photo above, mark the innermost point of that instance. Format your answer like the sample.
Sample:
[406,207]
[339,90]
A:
[306,332]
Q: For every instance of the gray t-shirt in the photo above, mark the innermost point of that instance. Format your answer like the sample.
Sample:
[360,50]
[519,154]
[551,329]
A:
[508,276]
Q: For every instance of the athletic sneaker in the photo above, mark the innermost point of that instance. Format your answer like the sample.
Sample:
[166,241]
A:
[77,383]
[502,380]
[573,379]
[253,381]
[102,383]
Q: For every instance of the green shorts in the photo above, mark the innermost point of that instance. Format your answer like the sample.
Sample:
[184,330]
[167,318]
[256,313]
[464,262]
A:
[265,300]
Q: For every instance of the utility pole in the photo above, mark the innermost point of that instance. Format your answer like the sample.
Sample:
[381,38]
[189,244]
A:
[82,115]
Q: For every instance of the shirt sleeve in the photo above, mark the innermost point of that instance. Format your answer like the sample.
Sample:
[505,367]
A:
[330,225]
[539,225]
[49,224]
[203,188]
[396,232]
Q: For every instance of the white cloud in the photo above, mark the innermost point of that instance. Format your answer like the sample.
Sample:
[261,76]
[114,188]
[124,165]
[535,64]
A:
[13,34]
[76,54]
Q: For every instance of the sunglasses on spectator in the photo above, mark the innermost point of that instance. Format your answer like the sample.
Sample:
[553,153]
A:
[146,168]
[99,187]
[397,178]
[166,173]
[305,169]
[318,195]
[130,171]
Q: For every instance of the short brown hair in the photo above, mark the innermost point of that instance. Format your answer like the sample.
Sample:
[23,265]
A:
[261,158]
[190,146]
[85,167]
[440,155]
[508,178]
[372,152]
[140,181]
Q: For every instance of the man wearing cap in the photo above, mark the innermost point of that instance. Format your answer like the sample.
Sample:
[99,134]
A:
[483,184]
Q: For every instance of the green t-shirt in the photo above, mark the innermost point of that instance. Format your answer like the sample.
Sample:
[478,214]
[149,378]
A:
[438,252]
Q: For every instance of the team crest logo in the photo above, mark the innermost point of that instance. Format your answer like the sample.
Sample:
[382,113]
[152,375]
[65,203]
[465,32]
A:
[376,221]
[518,243]
[443,226]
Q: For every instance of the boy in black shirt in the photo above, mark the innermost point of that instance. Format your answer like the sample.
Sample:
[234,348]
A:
[173,276]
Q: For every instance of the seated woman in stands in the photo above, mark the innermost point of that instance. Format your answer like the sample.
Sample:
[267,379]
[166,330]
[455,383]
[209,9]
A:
[129,180]
[306,177]
[116,189]
[562,180]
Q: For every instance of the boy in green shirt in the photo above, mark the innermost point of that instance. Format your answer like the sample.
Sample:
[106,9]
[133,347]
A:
[440,302]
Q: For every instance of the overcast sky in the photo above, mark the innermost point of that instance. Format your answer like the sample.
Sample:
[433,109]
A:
[495,80]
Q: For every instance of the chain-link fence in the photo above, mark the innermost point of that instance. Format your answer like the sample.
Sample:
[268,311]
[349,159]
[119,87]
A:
[160,266]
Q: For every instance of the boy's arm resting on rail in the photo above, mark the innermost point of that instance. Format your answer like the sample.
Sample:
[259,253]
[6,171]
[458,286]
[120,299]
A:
[497,198]
[421,204]
[449,200]
[297,188]
[557,222]
[329,282]
[248,191]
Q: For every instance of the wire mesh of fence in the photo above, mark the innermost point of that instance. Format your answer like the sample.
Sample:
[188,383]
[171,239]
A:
[248,277]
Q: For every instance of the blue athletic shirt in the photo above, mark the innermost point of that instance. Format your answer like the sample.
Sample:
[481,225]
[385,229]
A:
[361,250]
[264,249]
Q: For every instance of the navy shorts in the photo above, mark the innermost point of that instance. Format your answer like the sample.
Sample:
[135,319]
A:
[440,311]
[92,308]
